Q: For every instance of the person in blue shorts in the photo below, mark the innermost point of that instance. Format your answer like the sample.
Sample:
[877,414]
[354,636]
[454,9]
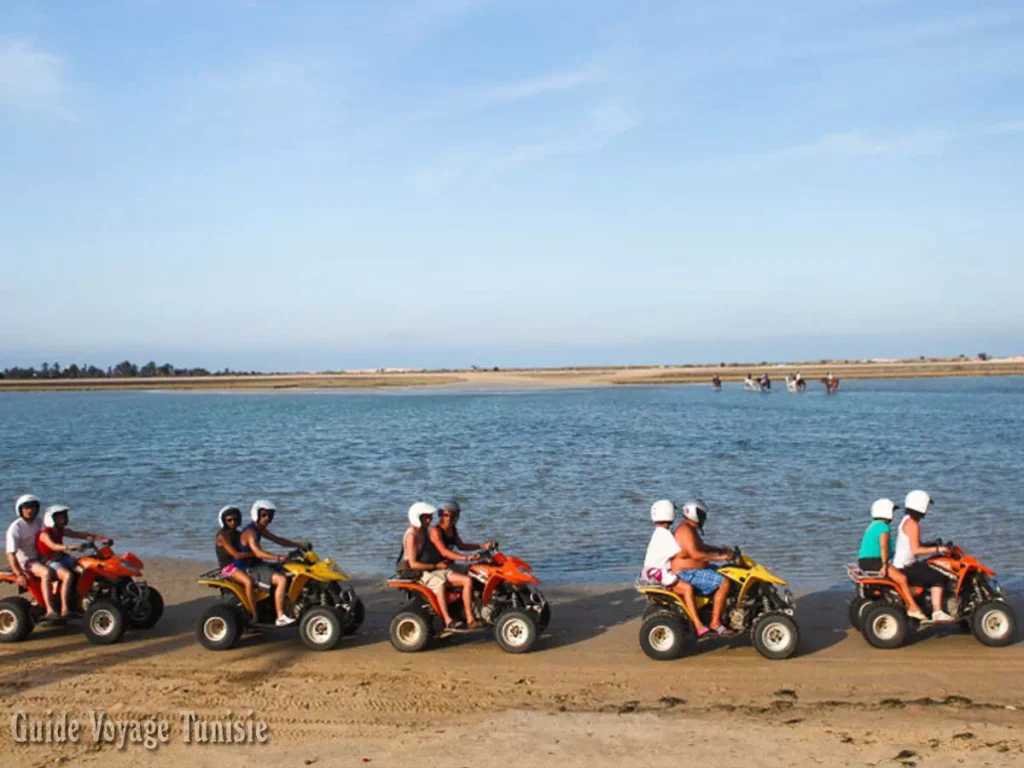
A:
[692,564]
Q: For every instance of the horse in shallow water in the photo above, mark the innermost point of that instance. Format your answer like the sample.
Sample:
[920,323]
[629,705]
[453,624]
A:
[831,386]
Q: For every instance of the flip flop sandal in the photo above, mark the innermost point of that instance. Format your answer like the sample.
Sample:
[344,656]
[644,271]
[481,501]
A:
[705,634]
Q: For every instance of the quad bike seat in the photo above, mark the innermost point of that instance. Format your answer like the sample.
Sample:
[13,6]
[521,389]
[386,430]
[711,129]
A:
[855,572]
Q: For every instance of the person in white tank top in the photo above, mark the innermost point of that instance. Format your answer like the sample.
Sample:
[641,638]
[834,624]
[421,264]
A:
[909,552]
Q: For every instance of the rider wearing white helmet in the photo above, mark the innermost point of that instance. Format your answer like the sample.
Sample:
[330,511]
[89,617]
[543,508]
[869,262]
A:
[692,564]
[233,561]
[910,550]
[54,552]
[267,576]
[443,543]
[22,552]
[413,561]
[877,548]
[661,550]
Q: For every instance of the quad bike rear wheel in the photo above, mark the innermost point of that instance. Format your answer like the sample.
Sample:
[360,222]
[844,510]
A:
[146,613]
[411,631]
[104,622]
[858,607]
[320,629]
[355,617]
[218,627]
[993,623]
[515,631]
[15,619]
[775,635]
[662,635]
[886,626]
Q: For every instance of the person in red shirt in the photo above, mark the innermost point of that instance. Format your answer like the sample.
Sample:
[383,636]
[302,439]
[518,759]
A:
[55,554]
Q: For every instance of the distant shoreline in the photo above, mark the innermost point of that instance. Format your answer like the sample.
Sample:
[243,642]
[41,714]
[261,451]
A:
[526,378]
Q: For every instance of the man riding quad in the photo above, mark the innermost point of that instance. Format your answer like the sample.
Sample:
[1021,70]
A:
[257,559]
[421,559]
[661,551]
[22,553]
[692,563]
[54,553]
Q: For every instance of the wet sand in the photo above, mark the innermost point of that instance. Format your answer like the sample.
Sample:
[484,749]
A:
[586,696]
[541,378]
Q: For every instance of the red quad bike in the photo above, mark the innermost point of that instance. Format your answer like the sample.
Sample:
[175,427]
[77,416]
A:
[108,593]
[504,597]
[971,597]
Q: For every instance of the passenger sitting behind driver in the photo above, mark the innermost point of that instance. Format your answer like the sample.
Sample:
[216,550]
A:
[658,561]
[230,557]
[877,548]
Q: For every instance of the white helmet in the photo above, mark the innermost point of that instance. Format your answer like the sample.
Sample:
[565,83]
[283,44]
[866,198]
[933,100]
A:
[259,504]
[882,510]
[51,512]
[918,501]
[417,510]
[225,510]
[27,498]
[696,511]
[663,511]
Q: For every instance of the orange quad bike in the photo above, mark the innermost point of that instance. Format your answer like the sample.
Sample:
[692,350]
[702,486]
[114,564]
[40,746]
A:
[505,597]
[971,596]
[109,595]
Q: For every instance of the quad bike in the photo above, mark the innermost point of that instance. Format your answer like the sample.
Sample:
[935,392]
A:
[317,596]
[971,597]
[754,605]
[108,593]
[504,597]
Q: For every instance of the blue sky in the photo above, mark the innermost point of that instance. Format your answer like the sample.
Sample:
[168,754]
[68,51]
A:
[311,185]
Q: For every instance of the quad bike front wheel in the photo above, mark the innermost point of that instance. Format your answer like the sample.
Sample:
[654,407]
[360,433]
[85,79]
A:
[104,622]
[515,631]
[544,617]
[355,617]
[886,626]
[993,623]
[218,627]
[775,635]
[320,629]
[15,619]
[662,636]
[410,631]
[146,613]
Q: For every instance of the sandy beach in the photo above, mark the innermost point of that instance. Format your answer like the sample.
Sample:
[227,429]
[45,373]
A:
[586,696]
[525,378]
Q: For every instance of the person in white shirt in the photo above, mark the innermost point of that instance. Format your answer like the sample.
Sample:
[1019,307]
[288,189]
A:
[22,555]
[658,561]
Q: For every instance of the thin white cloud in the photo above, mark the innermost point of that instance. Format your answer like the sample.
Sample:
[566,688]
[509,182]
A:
[523,90]
[33,79]
[850,144]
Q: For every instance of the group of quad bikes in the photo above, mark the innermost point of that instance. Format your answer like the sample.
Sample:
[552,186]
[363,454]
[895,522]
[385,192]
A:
[111,597]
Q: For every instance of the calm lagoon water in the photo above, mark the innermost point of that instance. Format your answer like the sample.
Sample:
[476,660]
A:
[563,478]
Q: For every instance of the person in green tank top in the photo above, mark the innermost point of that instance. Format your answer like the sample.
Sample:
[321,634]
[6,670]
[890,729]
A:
[877,548]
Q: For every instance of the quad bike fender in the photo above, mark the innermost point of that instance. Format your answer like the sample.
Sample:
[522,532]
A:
[660,594]
[426,594]
[235,589]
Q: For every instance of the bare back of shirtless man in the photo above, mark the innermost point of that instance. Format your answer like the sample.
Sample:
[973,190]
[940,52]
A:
[692,563]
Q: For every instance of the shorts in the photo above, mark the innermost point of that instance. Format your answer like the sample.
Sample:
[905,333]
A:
[662,576]
[64,561]
[704,580]
[262,574]
[870,563]
[230,568]
[435,580]
[919,574]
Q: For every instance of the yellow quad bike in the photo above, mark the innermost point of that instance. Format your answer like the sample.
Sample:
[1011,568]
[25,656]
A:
[754,604]
[318,596]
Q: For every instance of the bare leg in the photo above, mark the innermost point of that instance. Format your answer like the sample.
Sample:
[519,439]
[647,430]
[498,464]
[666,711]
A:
[250,591]
[442,602]
[279,582]
[461,580]
[901,581]
[716,609]
[65,590]
[45,576]
[685,591]
[937,599]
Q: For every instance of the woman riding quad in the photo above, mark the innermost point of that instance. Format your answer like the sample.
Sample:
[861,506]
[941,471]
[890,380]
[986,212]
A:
[658,561]
[53,552]
[232,560]
[909,549]
[877,548]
